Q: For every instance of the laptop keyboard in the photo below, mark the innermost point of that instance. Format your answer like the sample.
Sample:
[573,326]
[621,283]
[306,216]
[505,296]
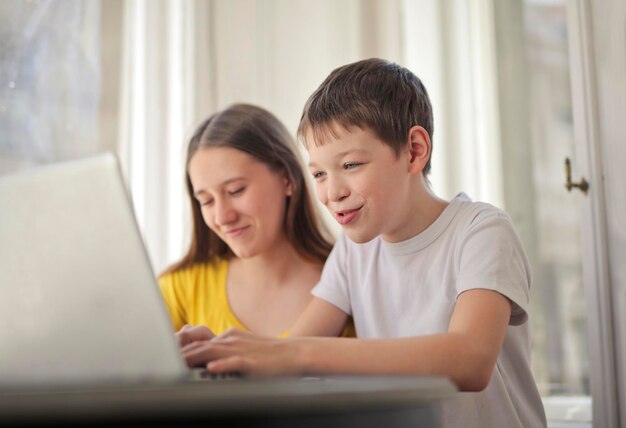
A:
[202,374]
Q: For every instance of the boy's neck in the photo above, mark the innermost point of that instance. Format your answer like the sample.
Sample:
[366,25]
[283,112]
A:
[420,212]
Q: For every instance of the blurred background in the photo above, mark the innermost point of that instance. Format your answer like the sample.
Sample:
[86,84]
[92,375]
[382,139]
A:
[136,77]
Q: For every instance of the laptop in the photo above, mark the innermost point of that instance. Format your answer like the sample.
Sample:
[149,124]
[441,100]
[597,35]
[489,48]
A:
[85,337]
[79,302]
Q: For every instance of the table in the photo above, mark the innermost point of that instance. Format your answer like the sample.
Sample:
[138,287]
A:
[364,401]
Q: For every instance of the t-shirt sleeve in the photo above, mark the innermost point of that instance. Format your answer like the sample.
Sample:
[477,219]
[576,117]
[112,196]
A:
[170,290]
[491,257]
[333,285]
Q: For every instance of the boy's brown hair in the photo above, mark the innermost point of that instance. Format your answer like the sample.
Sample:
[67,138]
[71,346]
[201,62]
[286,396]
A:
[372,94]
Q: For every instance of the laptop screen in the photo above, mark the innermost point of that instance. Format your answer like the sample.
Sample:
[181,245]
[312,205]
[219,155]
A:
[78,298]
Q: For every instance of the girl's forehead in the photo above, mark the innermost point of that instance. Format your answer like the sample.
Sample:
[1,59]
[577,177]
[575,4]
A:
[222,154]
[217,163]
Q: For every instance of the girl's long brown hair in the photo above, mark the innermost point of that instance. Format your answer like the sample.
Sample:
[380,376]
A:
[260,134]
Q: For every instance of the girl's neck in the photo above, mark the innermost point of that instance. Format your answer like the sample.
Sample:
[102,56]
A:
[271,268]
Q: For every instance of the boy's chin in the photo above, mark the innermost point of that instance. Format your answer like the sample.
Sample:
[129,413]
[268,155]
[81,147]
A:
[360,237]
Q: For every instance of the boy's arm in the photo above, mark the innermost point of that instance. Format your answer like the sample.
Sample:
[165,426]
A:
[466,353]
[320,318]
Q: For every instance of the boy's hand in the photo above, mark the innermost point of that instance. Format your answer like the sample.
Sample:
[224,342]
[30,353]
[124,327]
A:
[243,352]
[188,334]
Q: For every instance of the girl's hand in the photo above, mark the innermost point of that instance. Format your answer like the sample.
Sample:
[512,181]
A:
[188,334]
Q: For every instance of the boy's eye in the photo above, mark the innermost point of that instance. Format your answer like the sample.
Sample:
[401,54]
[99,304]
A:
[318,174]
[351,165]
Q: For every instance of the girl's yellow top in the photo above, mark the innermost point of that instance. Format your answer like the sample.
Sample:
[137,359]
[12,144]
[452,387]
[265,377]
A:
[197,295]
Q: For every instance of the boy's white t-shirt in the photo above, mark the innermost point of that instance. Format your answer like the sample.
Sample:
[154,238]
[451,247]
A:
[395,290]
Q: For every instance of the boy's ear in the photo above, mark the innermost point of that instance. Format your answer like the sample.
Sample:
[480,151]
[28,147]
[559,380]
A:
[419,149]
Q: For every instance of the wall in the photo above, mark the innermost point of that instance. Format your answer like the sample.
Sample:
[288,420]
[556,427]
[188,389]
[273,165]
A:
[609,43]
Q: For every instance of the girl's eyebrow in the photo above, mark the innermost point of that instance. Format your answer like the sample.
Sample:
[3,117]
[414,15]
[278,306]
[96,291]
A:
[224,183]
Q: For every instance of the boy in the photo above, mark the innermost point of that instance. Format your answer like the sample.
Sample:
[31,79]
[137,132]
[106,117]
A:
[434,287]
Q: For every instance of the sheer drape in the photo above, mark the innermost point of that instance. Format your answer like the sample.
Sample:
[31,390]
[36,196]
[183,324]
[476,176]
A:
[179,61]
[164,92]
[184,60]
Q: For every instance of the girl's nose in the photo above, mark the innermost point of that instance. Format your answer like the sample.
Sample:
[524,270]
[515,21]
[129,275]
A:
[224,213]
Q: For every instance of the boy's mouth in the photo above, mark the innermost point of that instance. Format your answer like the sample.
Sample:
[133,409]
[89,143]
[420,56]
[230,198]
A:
[344,217]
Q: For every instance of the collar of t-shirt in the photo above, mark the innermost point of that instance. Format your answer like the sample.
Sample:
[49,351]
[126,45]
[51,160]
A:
[432,232]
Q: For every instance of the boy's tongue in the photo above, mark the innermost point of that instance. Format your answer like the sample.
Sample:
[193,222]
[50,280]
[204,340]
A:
[347,216]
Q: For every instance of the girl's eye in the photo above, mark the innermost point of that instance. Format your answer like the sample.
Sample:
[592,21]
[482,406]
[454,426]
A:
[206,203]
[317,174]
[236,191]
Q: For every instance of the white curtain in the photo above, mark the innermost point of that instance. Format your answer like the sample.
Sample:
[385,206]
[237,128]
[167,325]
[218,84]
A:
[164,91]
[449,44]
[186,59]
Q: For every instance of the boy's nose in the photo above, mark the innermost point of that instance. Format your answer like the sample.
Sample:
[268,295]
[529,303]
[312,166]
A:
[337,190]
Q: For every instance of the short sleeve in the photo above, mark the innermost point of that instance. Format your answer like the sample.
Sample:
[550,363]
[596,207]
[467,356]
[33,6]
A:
[491,257]
[333,284]
[171,296]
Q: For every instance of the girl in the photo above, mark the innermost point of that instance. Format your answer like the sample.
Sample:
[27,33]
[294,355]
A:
[257,248]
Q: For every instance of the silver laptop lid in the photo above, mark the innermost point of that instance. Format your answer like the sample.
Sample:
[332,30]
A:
[78,298]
